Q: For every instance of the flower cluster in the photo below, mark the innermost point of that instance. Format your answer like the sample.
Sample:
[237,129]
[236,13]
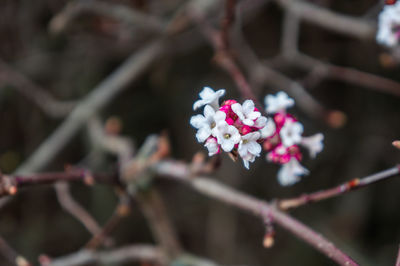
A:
[283,145]
[241,130]
[389,25]
[231,127]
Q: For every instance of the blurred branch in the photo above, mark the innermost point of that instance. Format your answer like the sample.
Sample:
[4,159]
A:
[121,211]
[356,27]
[154,210]
[224,58]
[398,258]
[120,13]
[354,184]
[50,106]
[227,22]
[260,208]
[321,69]
[11,255]
[69,204]
[133,253]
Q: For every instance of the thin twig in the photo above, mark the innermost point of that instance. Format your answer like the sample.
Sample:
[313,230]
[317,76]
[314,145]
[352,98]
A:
[121,211]
[260,208]
[69,204]
[10,184]
[354,184]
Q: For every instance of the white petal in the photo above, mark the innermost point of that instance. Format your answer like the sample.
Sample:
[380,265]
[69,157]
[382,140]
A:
[254,148]
[261,122]
[197,121]
[199,103]
[246,164]
[227,145]
[219,116]
[202,134]
[248,122]
[237,109]
[248,106]
[220,93]
[313,143]
[268,130]
[208,111]
[207,93]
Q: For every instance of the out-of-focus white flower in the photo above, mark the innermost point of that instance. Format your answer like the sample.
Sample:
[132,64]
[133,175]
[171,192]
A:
[246,112]
[278,102]
[227,136]
[388,33]
[290,172]
[209,96]
[268,130]
[212,146]
[313,143]
[291,133]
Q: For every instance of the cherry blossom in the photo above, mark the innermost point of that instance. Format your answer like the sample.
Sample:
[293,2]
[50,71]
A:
[209,96]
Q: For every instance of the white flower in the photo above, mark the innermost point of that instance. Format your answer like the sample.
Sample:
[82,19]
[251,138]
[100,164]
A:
[246,112]
[247,159]
[291,133]
[209,96]
[313,144]
[389,25]
[268,130]
[248,148]
[290,172]
[206,123]
[278,103]
[227,136]
[212,146]
[249,144]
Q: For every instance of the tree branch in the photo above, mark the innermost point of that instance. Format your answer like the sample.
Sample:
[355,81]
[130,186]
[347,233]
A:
[260,208]
[354,184]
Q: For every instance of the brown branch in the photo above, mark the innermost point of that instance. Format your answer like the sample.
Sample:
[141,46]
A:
[10,184]
[354,184]
[224,58]
[133,253]
[12,255]
[121,211]
[69,204]
[260,208]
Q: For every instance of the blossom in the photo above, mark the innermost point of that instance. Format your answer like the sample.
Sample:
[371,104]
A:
[313,144]
[248,144]
[290,172]
[246,112]
[291,132]
[280,102]
[388,33]
[205,123]
[227,135]
[209,96]
[212,146]
[247,159]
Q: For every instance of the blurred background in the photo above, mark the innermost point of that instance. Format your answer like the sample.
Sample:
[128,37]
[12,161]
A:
[53,54]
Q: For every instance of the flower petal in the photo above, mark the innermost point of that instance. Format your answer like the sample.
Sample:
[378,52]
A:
[197,121]
[202,134]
